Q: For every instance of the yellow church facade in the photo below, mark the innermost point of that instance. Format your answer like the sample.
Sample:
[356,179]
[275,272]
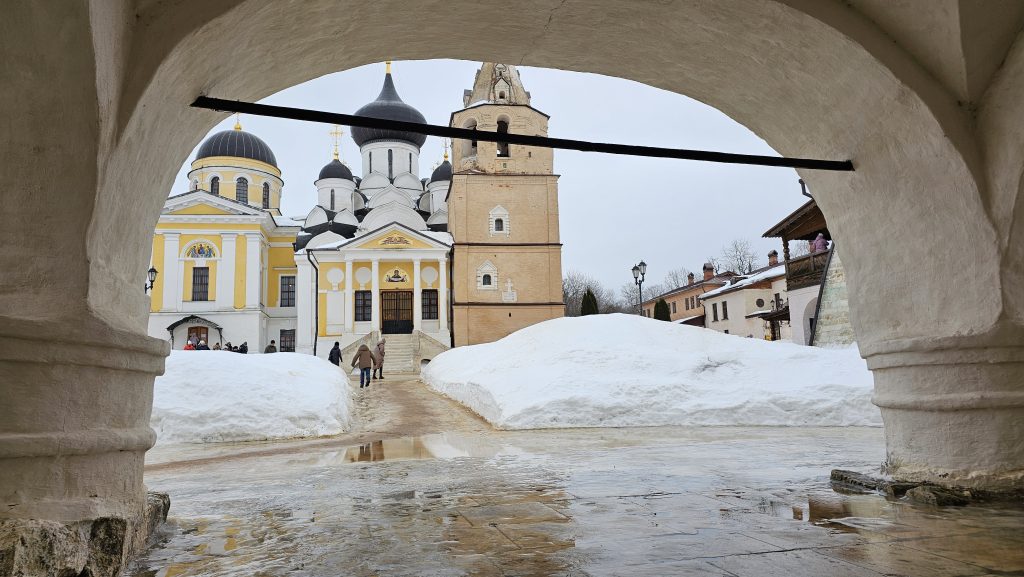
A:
[377,256]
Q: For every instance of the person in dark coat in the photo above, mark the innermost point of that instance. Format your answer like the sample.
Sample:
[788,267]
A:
[202,346]
[244,348]
[335,355]
[363,358]
[271,348]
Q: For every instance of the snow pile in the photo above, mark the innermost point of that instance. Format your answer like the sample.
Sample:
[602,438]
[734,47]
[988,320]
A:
[214,396]
[623,370]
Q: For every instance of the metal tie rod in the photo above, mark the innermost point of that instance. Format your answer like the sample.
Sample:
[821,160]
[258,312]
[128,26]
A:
[254,109]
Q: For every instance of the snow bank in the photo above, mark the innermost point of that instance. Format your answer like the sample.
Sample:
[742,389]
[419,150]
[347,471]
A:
[213,396]
[623,370]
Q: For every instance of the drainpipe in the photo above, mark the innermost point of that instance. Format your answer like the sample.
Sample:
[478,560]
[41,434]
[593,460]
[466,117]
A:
[316,300]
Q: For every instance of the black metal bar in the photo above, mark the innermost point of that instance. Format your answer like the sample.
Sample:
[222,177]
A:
[523,139]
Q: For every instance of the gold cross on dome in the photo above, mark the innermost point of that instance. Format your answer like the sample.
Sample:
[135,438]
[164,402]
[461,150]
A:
[446,149]
[336,134]
[238,121]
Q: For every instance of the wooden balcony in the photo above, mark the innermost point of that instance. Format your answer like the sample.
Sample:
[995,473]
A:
[807,270]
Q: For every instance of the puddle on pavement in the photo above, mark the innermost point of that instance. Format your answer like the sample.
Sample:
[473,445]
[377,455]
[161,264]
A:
[554,503]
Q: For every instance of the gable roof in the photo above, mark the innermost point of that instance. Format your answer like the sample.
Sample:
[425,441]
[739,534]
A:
[435,239]
[198,196]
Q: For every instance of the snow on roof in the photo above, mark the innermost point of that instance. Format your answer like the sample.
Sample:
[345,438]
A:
[681,321]
[768,273]
[759,312]
[443,237]
[285,221]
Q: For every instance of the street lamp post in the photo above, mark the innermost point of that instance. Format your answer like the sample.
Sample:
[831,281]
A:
[151,274]
[639,272]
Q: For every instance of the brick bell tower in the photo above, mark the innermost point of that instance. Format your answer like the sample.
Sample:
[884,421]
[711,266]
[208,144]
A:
[503,215]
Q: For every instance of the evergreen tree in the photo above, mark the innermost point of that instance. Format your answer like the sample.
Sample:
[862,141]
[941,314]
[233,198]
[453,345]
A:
[589,304]
[661,311]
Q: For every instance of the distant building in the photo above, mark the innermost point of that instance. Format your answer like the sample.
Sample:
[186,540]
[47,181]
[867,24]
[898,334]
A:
[740,307]
[806,274]
[684,302]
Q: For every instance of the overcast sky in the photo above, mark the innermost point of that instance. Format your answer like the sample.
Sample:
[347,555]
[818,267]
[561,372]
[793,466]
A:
[615,210]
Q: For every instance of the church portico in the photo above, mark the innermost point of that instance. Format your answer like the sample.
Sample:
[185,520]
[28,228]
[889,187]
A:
[390,281]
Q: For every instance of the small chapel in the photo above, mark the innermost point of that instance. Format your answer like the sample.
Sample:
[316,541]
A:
[466,255]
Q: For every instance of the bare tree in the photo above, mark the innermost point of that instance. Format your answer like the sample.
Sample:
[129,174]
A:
[574,286]
[716,263]
[676,278]
[739,257]
[630,295]
[799,248]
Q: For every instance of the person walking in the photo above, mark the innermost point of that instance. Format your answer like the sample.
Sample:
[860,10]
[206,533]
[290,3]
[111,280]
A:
[202,346]
[363,358]
[335,355]
[244,348]
[271,348]
[189,346]
[378,355]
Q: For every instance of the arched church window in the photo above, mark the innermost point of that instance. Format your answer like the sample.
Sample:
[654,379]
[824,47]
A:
[242,190]
[486,281]
[499,225]
[503,146]
[391,164]
[332,199]
[215,185]
[410,164]
[195,185]
[371,161]
[266,195]
[470,146]
[501,95]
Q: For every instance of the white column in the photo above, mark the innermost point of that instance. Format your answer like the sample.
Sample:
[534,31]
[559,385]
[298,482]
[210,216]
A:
[304,302]
[252,271]
[172,280]
[375,302]
[350,297]
[226,272]
[417,297]
[442,294]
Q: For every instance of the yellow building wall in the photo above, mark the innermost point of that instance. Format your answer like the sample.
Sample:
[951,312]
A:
[321,303]
[387,270]
[156,295]
[280,262]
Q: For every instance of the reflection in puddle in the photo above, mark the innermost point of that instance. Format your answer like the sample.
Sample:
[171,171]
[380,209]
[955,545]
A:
[554,503]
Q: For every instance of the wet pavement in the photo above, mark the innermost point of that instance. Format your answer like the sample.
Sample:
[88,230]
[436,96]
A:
[632,502]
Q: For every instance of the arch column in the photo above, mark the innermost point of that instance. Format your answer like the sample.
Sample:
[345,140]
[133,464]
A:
[953,408]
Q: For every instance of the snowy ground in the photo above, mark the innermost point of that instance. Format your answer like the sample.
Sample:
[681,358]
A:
[623,370]
[215,396]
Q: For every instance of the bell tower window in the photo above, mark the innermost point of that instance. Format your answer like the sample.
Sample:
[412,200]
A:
[266,195]
[503,146]
[391,164]
[498,222]
[215,185]
[499,225]
[332,199]
[242,190]
[470,145]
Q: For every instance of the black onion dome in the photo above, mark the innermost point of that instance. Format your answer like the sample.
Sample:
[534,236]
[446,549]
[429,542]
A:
[239,144]
[335,169]
[442,172]
[389,106]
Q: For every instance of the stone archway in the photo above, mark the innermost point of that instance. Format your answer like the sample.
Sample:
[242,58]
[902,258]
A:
[99,123]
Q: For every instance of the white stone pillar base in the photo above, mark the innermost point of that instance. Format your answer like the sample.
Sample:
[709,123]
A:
[953,410]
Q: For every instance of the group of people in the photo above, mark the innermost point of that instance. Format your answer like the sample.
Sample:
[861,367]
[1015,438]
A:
[366,359]
[194,343]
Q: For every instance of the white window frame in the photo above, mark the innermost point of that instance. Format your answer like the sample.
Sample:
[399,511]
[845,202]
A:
[496,213]
[487,268]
